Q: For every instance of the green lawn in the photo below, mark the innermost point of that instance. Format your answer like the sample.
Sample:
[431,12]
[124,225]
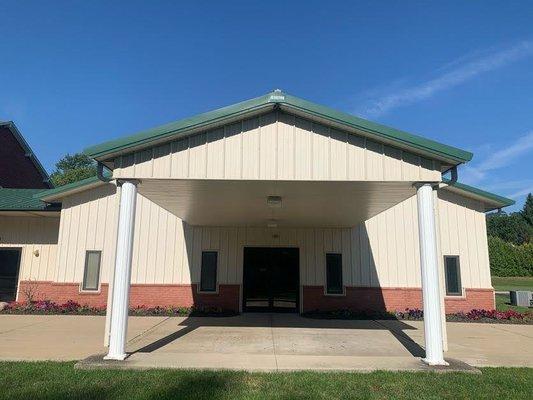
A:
[513,283]
[503,304]
[48,380]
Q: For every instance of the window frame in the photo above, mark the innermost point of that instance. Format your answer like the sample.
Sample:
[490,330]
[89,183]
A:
[459,293]
[326,288]
[203,291]
[83,287]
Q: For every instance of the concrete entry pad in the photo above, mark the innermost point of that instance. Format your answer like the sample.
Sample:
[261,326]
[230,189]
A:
[267,341]
[274,342]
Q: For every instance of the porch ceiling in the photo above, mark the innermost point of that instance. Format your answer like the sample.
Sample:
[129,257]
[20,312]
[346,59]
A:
[303,204]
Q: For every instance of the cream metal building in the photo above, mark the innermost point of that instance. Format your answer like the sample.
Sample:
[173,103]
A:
[276,204]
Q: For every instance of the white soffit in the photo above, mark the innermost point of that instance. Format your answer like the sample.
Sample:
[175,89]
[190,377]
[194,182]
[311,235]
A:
[303,203]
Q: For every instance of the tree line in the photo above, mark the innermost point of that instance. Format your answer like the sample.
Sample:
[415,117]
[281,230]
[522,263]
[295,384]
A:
[510,239]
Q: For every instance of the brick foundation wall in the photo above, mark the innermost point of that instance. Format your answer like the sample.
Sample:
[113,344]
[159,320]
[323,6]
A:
[62,292]
[227,297]
[481,299]
[391,299]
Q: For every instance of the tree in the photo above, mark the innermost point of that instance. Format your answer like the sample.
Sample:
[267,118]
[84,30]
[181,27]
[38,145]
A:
[511,228]
[527,211]
[73,168]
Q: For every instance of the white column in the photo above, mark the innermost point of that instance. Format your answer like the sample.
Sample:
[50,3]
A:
[109,308]
[430,275]
[121,281]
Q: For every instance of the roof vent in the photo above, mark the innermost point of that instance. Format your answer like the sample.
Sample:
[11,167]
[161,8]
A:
[277,95]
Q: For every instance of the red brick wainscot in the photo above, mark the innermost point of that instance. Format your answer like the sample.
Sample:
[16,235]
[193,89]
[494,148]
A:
[391,299]
[149,295]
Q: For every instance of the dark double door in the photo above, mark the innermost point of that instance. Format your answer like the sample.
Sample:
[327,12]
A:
[271,279]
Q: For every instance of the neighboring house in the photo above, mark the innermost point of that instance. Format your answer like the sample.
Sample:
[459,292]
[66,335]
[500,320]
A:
[275,203]
[21,176]
[19,167]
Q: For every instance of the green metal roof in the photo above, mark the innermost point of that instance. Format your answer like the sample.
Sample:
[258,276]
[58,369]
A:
[496,200]
[288,102]
[45,194]
[18,136]
[23,200]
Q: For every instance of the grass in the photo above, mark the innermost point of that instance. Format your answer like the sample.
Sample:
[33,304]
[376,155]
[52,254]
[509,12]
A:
[503,303]
[513,283]
[54,380]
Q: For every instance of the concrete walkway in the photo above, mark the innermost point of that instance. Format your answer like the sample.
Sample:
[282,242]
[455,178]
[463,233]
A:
[263,342]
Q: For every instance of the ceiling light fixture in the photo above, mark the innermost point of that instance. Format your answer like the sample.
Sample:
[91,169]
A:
[272,223]
[274,201]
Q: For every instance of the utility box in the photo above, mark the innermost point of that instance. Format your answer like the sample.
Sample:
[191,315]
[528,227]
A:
[521,298]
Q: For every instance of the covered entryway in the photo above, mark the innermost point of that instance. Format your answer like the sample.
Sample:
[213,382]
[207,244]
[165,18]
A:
[9,272]
[271,279]
[278,162]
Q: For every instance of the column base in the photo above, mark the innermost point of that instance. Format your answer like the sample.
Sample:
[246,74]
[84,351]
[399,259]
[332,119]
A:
[116,357]
[435,362]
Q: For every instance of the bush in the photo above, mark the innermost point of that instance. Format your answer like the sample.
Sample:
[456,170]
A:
[72,307]
[507,259]
[415,314]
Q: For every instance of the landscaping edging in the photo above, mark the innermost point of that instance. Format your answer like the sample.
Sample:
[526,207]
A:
[478,316]
[45,307]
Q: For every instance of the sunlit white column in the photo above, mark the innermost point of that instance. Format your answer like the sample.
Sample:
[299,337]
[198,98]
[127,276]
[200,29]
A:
[121,281]
[430,275]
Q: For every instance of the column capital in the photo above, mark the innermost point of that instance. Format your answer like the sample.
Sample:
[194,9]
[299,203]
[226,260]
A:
[434,185]
[135,182]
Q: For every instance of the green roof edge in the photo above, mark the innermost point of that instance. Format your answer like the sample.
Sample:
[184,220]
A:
[500,200]
[380,130]
[277,97]
[172,128]
[66,188]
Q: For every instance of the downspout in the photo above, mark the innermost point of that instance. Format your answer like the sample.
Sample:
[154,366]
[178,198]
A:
[453,173]
[100,172]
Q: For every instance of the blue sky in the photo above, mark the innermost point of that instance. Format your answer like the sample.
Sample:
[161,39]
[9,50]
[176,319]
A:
[76,73]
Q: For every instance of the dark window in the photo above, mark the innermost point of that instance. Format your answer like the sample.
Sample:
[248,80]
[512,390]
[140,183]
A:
[208,279]
[453,276]
[334,274]
[91,275]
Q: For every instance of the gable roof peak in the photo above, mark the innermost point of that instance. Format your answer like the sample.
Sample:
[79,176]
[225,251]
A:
[278,99]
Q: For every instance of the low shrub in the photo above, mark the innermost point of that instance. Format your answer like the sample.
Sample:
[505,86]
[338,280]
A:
[349,314]
[415,314]
[72,307]
[50,307]
[473,316]
[181,311]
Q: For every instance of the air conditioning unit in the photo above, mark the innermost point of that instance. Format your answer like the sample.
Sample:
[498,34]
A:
[521,298]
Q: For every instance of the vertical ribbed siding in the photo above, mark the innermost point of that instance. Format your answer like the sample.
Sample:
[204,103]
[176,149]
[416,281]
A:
[88,222]
[383,251]
[463,232]
[277,146]
[32,234]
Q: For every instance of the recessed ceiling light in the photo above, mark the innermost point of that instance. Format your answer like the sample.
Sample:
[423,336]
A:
[274,201]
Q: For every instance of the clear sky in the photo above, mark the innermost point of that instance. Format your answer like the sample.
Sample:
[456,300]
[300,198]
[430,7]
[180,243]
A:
[76,73]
